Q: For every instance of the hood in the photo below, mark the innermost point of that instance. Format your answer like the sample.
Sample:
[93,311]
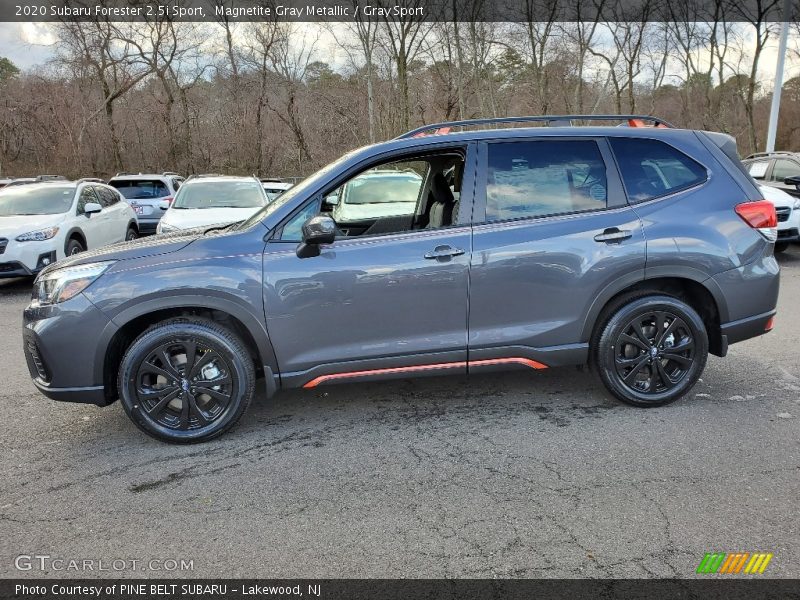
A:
[142,247]
[185,218]
[18,224]
[777,196]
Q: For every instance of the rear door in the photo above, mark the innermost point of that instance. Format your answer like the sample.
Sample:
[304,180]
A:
[552,235]
[116,215]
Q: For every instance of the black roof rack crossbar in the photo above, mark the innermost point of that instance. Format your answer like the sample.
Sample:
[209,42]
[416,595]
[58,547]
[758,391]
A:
[559,119]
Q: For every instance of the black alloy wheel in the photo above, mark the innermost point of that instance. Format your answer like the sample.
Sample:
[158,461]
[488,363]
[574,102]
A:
[651,350]
[186,380]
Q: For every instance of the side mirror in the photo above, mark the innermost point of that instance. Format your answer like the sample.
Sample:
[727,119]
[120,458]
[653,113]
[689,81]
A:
[332,200]
[163,205]
[91,208]
[316,231]
[793,180]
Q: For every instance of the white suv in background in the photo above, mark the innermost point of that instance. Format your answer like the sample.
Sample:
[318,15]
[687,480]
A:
[147,194]
[41,223]
[788,210]
[213,200]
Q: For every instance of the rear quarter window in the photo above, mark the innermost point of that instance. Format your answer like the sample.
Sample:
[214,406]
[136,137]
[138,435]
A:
[651,168]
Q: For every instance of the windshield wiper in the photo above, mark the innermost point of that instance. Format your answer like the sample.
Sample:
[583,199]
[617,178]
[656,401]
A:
[221,227]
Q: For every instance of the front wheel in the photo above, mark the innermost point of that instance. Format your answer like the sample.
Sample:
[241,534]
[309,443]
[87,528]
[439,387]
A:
[652,350]
[186,380]
[131,235]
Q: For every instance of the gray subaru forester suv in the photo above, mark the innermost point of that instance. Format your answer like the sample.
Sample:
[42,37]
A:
[637,249]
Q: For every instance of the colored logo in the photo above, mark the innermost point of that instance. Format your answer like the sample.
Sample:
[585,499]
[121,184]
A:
[735,563]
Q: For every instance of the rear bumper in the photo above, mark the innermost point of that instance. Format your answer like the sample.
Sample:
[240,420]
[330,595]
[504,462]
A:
[744,329]
[148,227]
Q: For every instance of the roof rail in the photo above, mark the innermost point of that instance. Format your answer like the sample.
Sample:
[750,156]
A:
[50,178]
[555,120]
[170,173]
[758,154]
[89,180]
[199,175]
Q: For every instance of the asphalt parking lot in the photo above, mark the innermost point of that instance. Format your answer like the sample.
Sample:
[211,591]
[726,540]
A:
[507,475]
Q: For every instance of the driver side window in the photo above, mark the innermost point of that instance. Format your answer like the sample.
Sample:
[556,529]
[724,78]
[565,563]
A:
[87,196]
[389,198]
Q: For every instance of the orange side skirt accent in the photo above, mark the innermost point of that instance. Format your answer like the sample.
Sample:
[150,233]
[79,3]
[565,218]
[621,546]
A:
[451,365]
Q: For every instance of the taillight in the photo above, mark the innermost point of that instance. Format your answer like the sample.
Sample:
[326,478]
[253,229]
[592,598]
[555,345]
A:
[760,215]
[168,200]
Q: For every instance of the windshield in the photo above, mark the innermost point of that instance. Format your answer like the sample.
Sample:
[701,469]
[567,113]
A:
[375,188]
[140,189]
[231,193]
[293,191]
[36,200]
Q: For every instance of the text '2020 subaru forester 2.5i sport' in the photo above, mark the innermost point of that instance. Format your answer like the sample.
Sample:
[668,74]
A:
[636,249]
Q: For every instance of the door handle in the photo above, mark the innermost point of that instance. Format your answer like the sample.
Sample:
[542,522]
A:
[612,235]
[443,252]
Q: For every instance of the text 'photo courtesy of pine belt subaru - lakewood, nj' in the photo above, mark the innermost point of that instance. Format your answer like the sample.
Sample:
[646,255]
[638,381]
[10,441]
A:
[637,249]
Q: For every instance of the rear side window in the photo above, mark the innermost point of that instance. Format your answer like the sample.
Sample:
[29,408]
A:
[106,196]
[651,168]
[140,189]
[541,178]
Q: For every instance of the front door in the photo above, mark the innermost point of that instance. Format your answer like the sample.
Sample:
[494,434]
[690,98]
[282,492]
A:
[375,304]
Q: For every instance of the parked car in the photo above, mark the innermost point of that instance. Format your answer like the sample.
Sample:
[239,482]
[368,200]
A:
[20,181]
[274,187]
[776,169]
[637,250]
[213,200]
[787,209]
[41,223]
[148,194]
[378,193]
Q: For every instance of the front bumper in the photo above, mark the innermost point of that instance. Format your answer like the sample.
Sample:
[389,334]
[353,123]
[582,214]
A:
[791,234]
[61,365]
[25,259]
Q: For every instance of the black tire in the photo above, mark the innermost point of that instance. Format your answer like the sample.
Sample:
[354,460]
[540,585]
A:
[131,235]
[169,403]
[636,364]
[781,247]
[74,247]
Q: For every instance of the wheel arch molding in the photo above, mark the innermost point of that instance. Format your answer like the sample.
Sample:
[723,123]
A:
[666,282]
[75,232]
[126,325]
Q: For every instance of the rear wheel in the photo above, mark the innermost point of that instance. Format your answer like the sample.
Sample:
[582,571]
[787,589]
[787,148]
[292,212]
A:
[186,381]
[652,350]
[131,235]
[74,247]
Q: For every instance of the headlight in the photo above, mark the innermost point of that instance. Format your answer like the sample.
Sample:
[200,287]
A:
[38,236]
[796,204]
[58,285]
